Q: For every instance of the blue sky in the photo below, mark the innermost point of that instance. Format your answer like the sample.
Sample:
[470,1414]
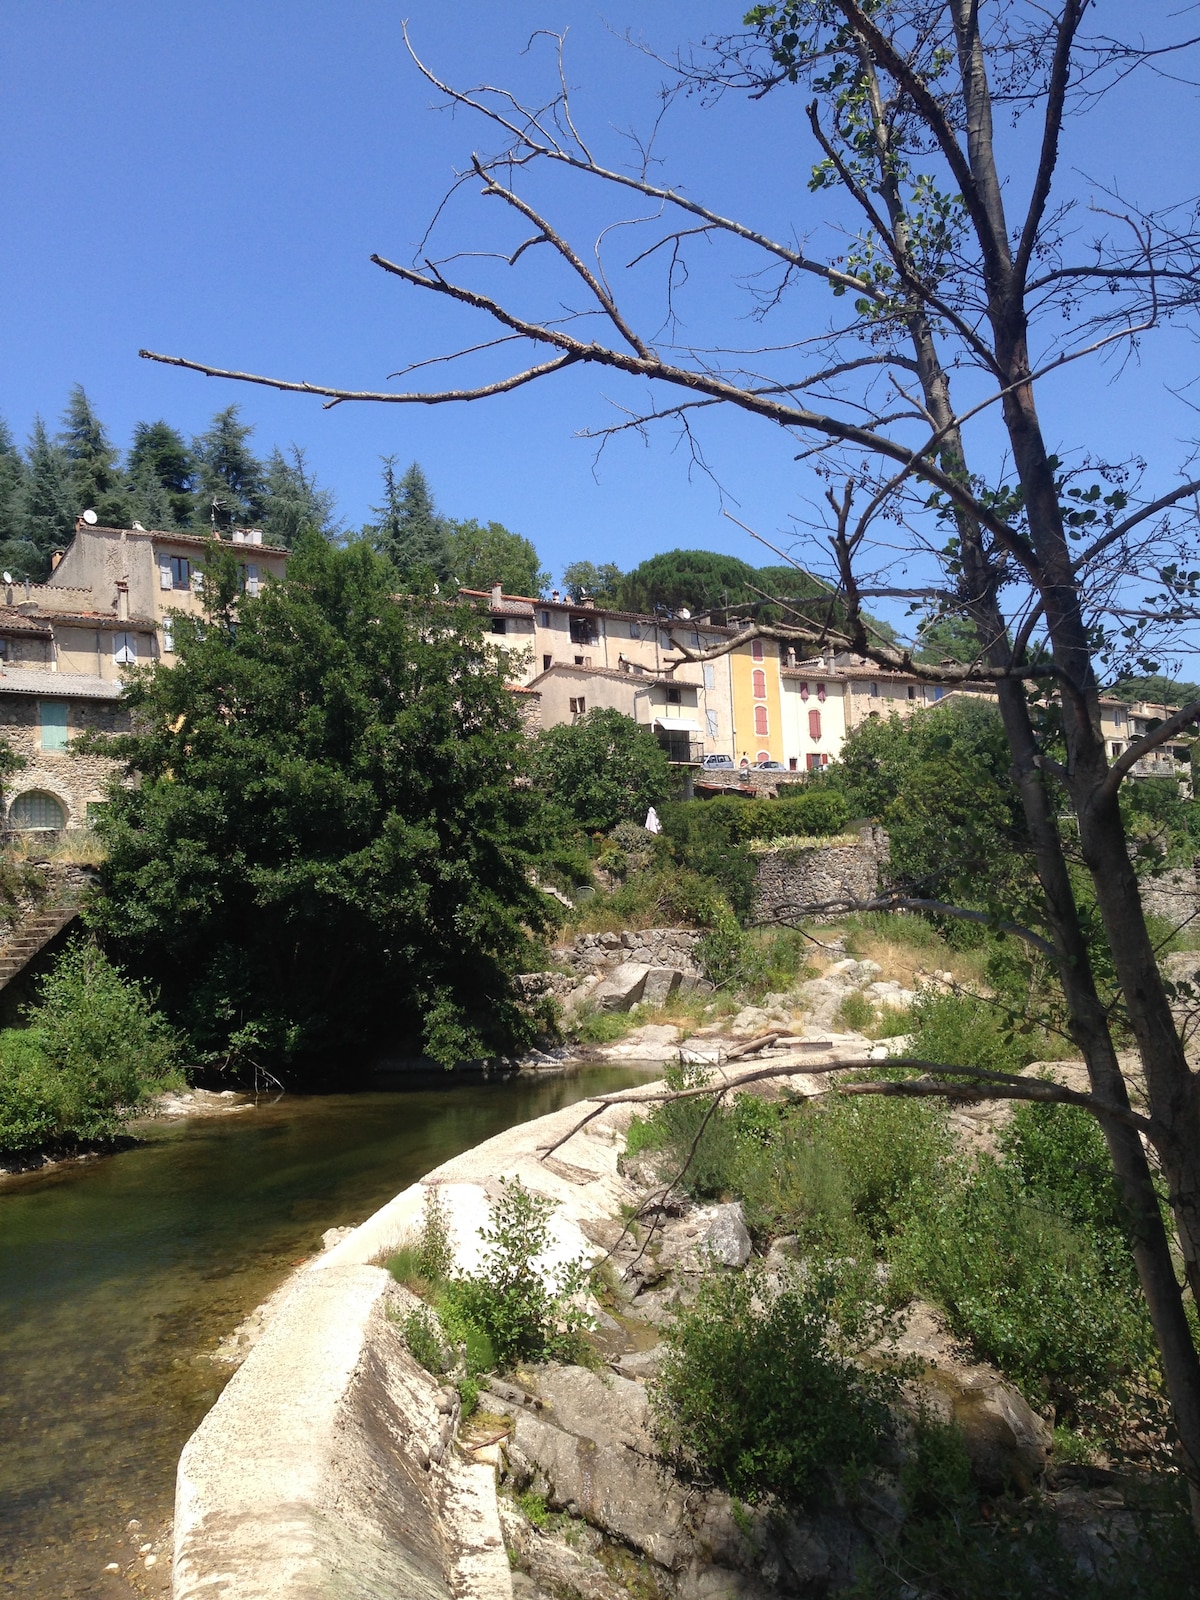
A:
[210,180]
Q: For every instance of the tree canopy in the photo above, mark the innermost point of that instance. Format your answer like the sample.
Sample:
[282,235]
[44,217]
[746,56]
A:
[480,555]
[326,844]
[602,769]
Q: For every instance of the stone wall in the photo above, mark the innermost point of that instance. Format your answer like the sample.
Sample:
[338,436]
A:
[1174,895]
[74,780]
[652,947]
[791,880]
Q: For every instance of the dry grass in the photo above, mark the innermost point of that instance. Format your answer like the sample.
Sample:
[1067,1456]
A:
[909,954]
[78,847]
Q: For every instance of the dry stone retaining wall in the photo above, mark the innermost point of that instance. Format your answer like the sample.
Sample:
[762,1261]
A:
[791,880]
[651,947]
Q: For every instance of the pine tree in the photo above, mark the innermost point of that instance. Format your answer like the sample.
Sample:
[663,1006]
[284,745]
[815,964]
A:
[295,504]
[95,472]
[48,498]
[17,555]
[232,484]
[410,533]
[162,471]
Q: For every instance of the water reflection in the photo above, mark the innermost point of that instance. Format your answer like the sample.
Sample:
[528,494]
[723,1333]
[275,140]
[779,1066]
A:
[117,1276]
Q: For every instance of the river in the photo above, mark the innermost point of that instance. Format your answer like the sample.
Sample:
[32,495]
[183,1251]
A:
[118,1277]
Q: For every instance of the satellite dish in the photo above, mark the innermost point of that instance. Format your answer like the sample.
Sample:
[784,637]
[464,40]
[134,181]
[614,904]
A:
[684,613]
[90,518]
[8,577]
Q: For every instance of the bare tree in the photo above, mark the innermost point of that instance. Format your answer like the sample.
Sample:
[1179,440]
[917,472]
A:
[1063,571]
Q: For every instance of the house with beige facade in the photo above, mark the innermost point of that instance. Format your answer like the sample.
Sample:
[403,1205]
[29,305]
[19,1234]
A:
[108,605]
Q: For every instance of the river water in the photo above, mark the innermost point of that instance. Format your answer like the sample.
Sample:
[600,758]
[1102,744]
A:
[118,1276]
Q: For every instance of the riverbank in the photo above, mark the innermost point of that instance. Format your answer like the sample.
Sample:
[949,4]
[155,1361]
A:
[173,1106]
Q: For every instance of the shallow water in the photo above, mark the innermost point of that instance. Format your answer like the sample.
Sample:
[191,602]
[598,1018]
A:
[117,1276]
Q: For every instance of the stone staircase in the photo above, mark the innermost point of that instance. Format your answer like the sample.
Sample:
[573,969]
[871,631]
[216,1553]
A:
[32,934]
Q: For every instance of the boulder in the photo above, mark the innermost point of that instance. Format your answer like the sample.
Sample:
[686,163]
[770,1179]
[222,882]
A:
[661,984]
[622,988]
[1006,1440]
[711,1234]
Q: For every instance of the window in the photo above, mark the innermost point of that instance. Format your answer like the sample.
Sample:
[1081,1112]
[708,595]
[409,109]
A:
[674,695]
[874,691]
[498,625]
[544,617]
[52,715]
[792,763]
[762,755]
[578,706]
[711,718]
[635,630]
[36,810]
[814,760]
[804,691]
[760,724]
[248,579]
[547,663]
[938,692]
[821,693]
[756,650]
[583,631]
[1116,750]
[814,724]
[760,683]
[181,572]
[912,691]
[3,649]
[124,648]
[578,661]
[710,675]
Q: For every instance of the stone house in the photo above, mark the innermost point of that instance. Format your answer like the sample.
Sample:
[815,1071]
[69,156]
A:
[109,604]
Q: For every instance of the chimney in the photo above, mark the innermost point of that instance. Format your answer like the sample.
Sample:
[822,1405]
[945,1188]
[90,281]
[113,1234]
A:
[122,602]
[55,557]
[497,593]
[554,596]
[239,536]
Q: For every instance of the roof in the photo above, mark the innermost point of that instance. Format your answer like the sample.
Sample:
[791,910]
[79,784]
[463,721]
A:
[14,621]
[621,674]
[199,540]
[58,685]
[580,609]
[98,619]
[521,688]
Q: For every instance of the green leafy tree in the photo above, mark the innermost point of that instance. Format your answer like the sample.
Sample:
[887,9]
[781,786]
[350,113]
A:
[949,638]
[162,471]
[482,555]
[97,481]
[602,768]
[1156,688]
[410,532]
[602,583]
[326,844]
[295,502]
[233,487]
[699,581]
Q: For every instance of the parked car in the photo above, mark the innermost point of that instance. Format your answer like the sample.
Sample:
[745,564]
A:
[769,766]
[719,761]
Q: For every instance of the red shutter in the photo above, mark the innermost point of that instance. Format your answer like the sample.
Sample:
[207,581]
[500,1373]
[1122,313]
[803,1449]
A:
[814,724]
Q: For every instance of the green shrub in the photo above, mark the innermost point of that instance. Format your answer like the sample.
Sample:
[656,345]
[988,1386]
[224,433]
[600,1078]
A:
[434,1254]
[856,1012]
[753,1395]
[94,1051]
[601,1027]
[1041,1298]
[425,1345]
[962,1030]
[508,1300]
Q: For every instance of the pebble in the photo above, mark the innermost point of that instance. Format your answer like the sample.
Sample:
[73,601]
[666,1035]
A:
[113,1566]
[151,1561]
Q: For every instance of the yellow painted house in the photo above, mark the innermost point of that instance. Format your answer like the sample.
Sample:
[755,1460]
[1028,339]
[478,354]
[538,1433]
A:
[757,708]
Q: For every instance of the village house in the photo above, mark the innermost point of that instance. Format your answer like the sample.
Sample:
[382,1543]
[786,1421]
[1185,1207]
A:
[109,604]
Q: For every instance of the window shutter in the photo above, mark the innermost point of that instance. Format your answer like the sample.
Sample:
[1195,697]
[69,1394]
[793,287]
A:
[164,572]
[814,724]
[252,585]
